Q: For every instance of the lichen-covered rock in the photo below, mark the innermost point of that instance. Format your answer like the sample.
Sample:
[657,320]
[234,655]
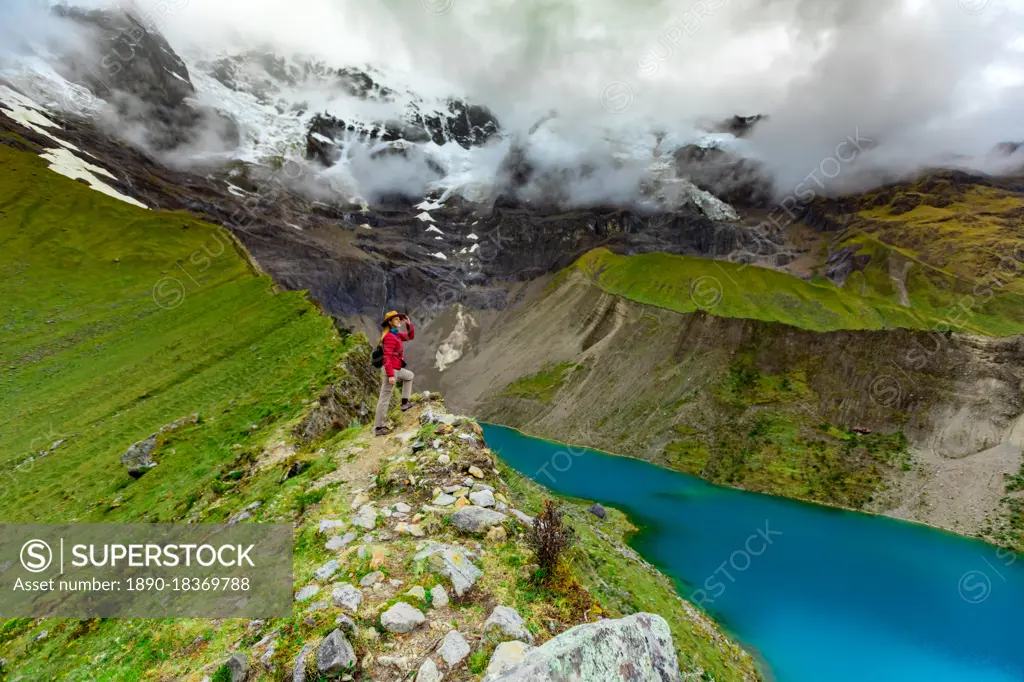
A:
[306,593]
[482,498]
[366,518]
[347,597]
[506,657]
[522,517]
[454,649]
[339,541]
[474,519]
[327,570]
[428,672]
[443,500]
[350,399]
[370,579]
[509,623]
[299,669]
[402,619]
[638,648]
[452,562]
[438,597]
[138,459]
[239,667]
[335,654]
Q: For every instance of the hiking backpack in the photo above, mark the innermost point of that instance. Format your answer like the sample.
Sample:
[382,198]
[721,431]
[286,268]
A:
[377,356]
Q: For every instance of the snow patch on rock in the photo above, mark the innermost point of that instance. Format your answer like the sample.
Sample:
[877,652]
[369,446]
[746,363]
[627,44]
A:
[452,348]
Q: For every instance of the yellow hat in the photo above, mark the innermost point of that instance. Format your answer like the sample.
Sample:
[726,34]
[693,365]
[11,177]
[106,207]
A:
[387,318]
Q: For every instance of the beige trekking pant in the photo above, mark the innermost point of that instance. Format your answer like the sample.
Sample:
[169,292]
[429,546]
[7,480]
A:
[384,402]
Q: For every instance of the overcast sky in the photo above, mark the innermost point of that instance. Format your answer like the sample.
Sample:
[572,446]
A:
[922,78]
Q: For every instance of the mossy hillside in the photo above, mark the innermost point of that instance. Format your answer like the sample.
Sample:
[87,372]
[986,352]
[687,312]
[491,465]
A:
[971,231]
[989,306]
[687,284]
[543,385]
[604,577]
[118,321]
[760,406]
[766,441]
[740,427]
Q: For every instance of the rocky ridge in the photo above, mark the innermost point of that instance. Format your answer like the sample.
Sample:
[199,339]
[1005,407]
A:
[393,587]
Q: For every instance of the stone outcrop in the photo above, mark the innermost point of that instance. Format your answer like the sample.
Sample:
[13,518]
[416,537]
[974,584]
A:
[138,459]
[638,648]
[454,563]
[349,399]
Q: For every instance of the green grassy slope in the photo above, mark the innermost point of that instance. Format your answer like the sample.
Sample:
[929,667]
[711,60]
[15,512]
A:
[869,301]
[118,321]
[968,230]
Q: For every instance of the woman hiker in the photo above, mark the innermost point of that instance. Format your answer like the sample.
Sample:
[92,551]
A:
[391,342]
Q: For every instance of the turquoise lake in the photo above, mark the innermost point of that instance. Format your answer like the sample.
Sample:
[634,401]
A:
[819,594]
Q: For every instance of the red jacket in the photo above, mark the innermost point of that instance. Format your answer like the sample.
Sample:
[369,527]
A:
[394,352]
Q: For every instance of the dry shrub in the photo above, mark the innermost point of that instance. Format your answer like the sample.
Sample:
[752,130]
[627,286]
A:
[550,537]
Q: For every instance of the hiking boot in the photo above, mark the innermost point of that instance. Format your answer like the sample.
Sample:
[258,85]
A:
[406,405]
[381,431]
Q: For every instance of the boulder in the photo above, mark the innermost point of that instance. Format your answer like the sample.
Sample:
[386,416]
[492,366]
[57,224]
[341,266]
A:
[317,606]
[438,597]
[329,524]
[452,562]
[345,623]
[370,579]
[239,667]
[482,498]
[327,570]
[335,654]
[509,623]
[632,649]
[299,669]
[473,519]
[443,500]
[402,619]
[347,597]
[138,458]
[366,517]
[598,511]
[475,472]
[267,659]
[428,672]
[507,656]
[418,592]
[523,518]
[306,593]
[339,541]
[454,649]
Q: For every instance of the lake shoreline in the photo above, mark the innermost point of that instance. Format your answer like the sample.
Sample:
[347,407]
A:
[810,591]
[814,503]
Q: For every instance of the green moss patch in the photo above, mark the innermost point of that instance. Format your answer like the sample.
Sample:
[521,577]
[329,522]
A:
[686,284]
[543,385]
